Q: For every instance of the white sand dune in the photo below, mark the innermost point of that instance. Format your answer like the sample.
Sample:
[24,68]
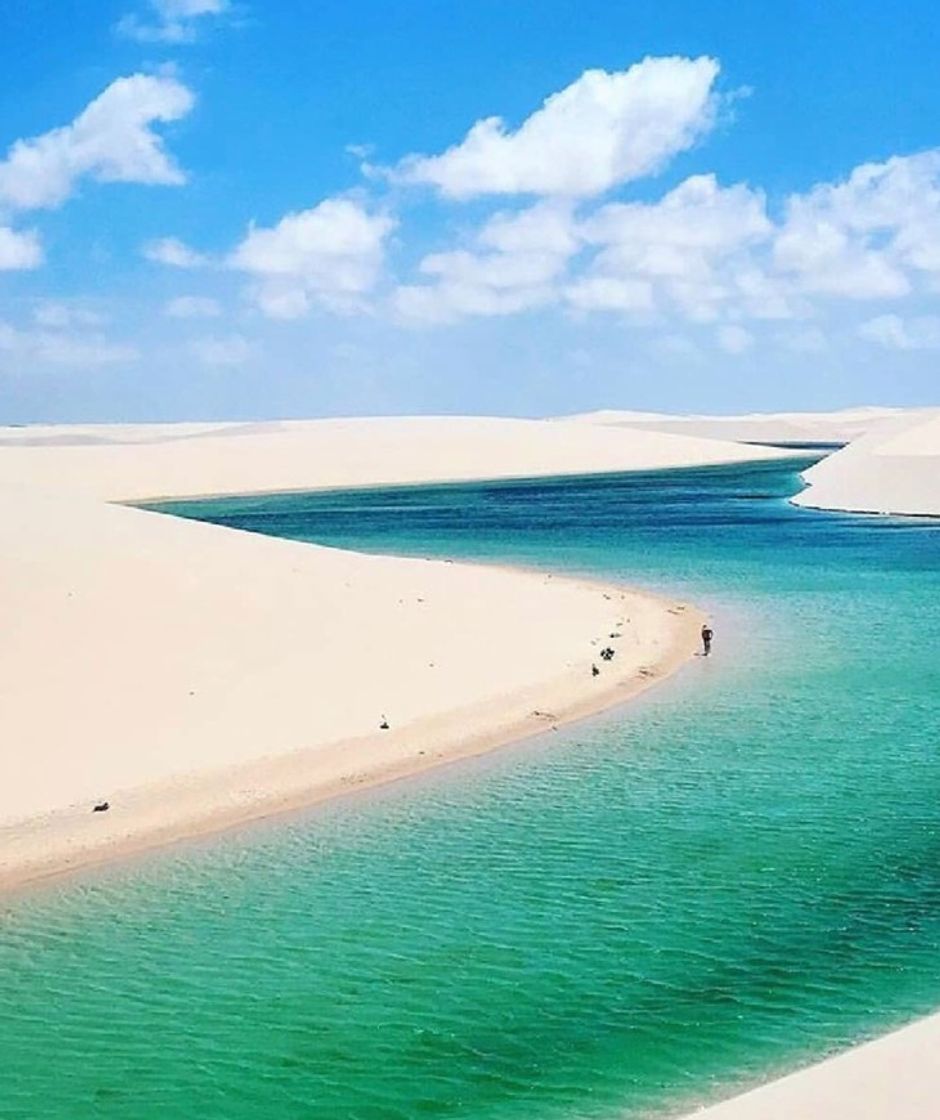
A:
[194,675]
[770,427]
[131,462]
[891,463]
[893,1078]
[893,469]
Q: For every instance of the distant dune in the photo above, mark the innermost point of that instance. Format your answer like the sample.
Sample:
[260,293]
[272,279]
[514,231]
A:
[132,462]
[895,468]
[769,427]
[891,463]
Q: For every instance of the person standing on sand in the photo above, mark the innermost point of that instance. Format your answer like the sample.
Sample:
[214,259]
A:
[707,635]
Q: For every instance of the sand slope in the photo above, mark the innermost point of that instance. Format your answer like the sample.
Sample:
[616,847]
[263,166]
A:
[150,653]
[894,1078]
[893,469]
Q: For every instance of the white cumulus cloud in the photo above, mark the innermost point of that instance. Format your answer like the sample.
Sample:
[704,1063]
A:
[602,130]
[871,236]
[19,249]
[330,255]
[685,250]
[111,140]
[610,293]
[513,264]
[707,253]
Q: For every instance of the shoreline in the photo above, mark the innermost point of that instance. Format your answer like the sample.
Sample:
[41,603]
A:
[880,1078]
[197,676]
[151,504]
[59,844]
[801,501]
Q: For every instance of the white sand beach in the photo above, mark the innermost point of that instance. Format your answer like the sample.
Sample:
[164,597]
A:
[194,676]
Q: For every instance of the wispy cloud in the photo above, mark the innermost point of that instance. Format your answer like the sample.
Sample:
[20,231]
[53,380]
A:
[229,351]
[193,307]
[896,333]
[170,21]
[82,349]
[174,253]
[734,339]
[61,315]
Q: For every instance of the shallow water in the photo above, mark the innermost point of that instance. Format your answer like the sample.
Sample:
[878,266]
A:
[735,874]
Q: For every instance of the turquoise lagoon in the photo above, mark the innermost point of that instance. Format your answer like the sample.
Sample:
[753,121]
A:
[734,875]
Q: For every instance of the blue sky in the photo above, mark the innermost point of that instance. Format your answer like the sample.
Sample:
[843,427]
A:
[216,208]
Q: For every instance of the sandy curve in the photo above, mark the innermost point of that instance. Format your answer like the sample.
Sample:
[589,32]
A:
[195,676]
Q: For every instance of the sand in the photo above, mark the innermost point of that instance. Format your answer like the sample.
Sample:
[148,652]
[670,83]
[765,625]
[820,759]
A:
[894,1078]
[841,426]
[135,462]
[195,676]
[891,463]
[893,469]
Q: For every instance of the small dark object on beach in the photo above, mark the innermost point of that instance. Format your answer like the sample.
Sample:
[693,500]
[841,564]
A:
[383,726]
[607,653]
[102,807]
[595,672]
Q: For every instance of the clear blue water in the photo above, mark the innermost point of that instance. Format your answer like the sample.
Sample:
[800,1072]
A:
[733,875]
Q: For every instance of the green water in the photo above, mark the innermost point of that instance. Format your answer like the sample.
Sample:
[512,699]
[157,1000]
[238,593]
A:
[734,875]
